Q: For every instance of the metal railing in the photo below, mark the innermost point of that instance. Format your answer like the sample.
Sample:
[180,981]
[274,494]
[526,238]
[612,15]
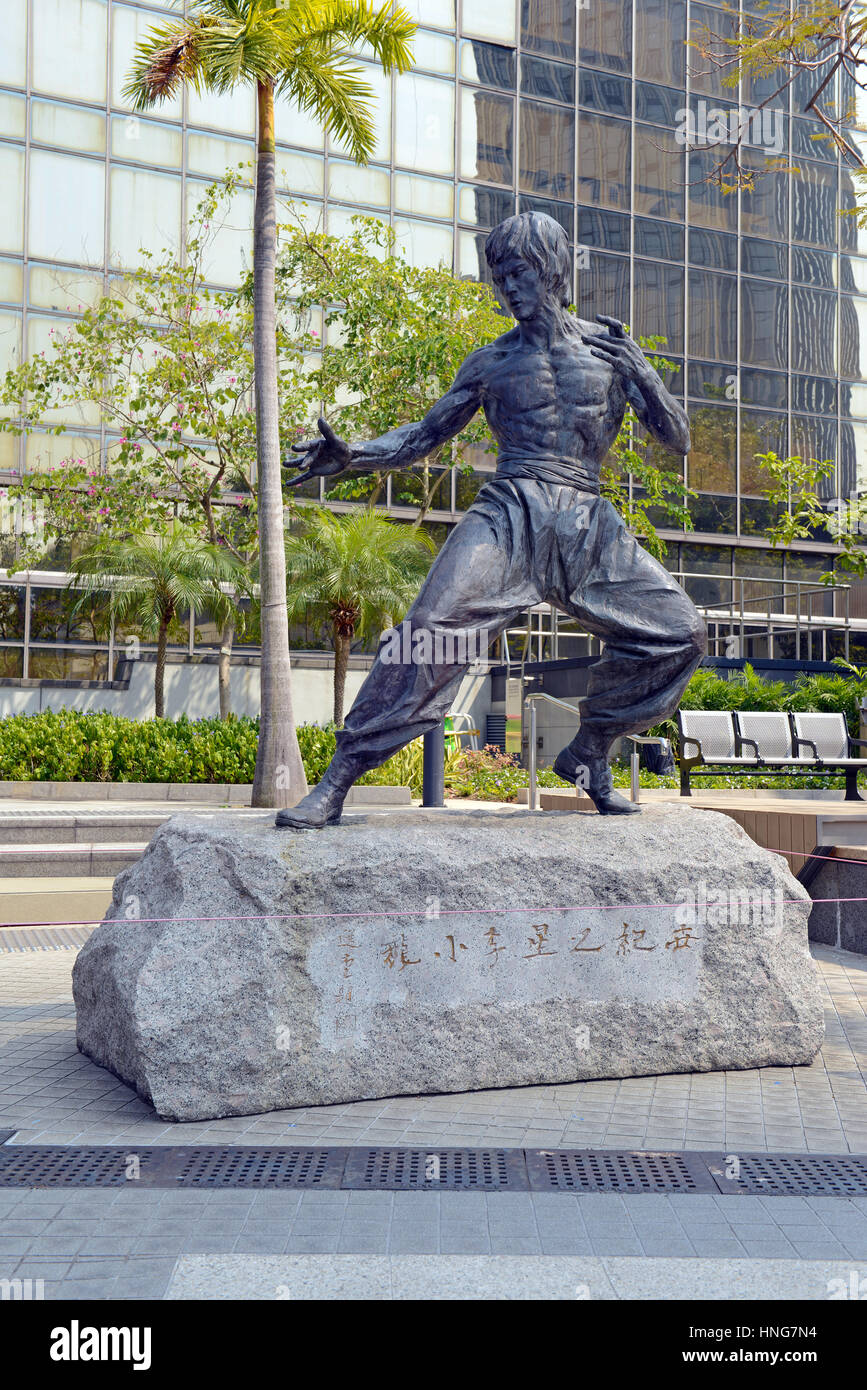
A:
[530,705]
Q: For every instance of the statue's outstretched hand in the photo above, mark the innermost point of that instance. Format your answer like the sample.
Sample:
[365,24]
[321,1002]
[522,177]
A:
[322,457]
[617,349]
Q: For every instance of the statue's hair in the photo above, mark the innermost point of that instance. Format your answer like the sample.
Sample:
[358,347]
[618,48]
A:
[539,240]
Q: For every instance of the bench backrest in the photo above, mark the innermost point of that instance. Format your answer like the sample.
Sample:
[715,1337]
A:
[714,729]
[771,733]
[827,731]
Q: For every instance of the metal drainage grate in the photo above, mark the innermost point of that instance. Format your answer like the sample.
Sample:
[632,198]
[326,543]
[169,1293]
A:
[436,1170]
[792,1175]
[229,1167]
[50,1165]
[585,1170]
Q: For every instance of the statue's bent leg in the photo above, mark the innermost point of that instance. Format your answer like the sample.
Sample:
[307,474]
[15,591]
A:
[472,592]
[653,637]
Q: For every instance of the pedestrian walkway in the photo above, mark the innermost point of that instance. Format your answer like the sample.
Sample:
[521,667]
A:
[248,1243]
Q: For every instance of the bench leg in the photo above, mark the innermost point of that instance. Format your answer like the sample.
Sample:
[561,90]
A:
[684,782]
[852,793]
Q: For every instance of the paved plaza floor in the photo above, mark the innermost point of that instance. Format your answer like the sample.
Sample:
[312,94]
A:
[109,1243]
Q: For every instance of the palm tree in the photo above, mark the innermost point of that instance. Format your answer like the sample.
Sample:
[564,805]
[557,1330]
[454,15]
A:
[151,580]
[298,48]
[362,568]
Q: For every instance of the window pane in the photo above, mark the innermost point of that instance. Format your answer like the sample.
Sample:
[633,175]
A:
[814,204]
[67,208]
[708,28]
[229,254]
[605,92]
[353,183]
[548,26]
[128,28]
[814,331]
[145,212]
[13,50]
[561,212]
[661,105]
[605,38]
[610,230]
[815,439]
[604,174]
[765,210]
[760,434]
[13,116]
[487,21]
[659,303]
[438,12]
[815,268]
[428,197]
[10,341]
[660,36]
[709,381]
[296,127]
[489,64]
[487,123]
[11,282]
[713,249]
[380,108]
[764,388]
[764,323]
[853,459]
[484,207]
[69,47]
[659,173]
[815,394]
[424,243]
[713,318]
[45,664]
[11,612]
[424,124]
[805,145]
[603,287]
[708,205]
[712,460]
[767,258]
[547,150]
[434,52]
[302,173]
[553,81]
[74,127]
[12,202]
[146,142]
[222,110]
[211,154]
[62,289]
[660,240]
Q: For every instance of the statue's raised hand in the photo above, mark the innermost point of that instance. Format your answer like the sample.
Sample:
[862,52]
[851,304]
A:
[322,457]
[617,349]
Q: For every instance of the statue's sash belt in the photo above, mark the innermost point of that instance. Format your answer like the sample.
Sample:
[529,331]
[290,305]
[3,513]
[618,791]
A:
[549,469]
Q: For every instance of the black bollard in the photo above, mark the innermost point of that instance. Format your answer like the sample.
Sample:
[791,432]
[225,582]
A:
[433,767]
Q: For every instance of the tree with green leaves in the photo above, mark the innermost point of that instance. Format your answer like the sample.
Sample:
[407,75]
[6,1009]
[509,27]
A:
[301,49]
[151,580]
[399,333]
[168,365]
[361,570]
[819,49]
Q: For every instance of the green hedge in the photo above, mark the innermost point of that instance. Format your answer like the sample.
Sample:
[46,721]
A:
[69,746]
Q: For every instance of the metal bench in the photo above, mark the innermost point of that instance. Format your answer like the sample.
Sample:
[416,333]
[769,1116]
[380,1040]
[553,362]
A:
[753,744]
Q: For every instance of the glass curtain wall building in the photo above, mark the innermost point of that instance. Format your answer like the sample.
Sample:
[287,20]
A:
[579,108]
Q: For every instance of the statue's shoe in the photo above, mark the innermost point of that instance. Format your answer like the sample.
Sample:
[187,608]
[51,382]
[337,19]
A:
[597,782]
[318,809]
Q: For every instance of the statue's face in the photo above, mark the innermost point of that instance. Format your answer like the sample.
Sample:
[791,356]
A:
[521,286]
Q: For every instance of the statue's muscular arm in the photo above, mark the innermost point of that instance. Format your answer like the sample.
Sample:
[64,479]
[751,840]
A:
[657,410]
[328,455]
[408,443]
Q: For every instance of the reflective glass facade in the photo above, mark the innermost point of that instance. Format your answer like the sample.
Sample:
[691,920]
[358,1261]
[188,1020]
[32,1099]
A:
[575,109]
